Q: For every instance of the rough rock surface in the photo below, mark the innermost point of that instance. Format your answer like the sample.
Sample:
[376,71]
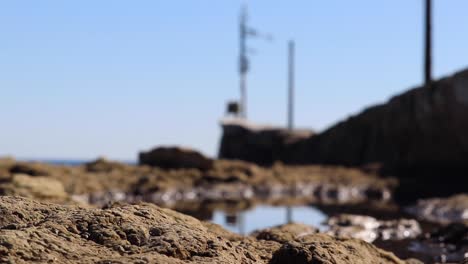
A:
[144,233]
[175,158]
[318,249]
[33,231]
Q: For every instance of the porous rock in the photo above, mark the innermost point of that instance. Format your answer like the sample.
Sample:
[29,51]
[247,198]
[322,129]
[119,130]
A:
[118,233]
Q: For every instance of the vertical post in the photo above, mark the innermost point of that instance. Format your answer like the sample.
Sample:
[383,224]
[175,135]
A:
[291,50]
[243,62]
[241,223]
[428,44]
[291,47]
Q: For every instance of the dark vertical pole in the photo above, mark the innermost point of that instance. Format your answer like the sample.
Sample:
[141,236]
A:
[428,44]
[243,63]
[291,47]
[291,85]
[241,223]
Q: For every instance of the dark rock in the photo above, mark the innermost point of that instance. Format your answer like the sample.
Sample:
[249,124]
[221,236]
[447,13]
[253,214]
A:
[261,145]
[175,158]
[32,169]
[446,244]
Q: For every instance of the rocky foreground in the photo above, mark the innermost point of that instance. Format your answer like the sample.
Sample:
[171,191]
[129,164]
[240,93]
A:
[70,213]
[48,233]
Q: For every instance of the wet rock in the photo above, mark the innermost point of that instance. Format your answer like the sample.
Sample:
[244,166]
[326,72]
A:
[442,210]
[175,158]
[369,229]
[285,233]
[446,244]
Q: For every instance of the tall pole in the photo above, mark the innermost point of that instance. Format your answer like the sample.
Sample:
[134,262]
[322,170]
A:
[291,50]
[243,62]
[428,44]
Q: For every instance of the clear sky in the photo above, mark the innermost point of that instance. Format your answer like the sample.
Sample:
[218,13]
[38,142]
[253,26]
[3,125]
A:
[79,79]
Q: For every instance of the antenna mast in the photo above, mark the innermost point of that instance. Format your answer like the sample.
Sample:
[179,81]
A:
[245,32]
[243,61]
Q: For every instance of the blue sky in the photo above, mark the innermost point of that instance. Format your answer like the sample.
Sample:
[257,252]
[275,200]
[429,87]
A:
[79,79]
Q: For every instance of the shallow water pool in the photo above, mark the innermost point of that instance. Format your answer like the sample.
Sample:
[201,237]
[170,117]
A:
[264,216]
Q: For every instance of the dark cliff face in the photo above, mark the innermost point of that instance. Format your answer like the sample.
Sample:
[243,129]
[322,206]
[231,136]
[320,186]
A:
[417,128]
[419,136]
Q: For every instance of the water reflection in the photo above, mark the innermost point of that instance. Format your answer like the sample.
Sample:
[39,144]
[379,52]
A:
[263,216]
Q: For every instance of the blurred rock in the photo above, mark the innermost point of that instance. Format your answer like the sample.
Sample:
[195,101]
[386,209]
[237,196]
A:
[103,165]
[370,229]
[175,158]
[442,210]
[41,188]
[259,144]
[29,168]
[285,233]
[448,244]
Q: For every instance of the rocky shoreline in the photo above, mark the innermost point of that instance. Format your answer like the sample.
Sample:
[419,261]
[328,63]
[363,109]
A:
[144,233]
[102,181]
[91,205]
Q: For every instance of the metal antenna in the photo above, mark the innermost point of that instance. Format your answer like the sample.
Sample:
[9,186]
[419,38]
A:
[244,32]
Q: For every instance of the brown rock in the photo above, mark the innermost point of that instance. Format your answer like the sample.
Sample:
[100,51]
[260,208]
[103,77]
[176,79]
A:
[41,188]
[144,233]
[324,249]
[285,233]
[36,232]
[103,165]
[175,158]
